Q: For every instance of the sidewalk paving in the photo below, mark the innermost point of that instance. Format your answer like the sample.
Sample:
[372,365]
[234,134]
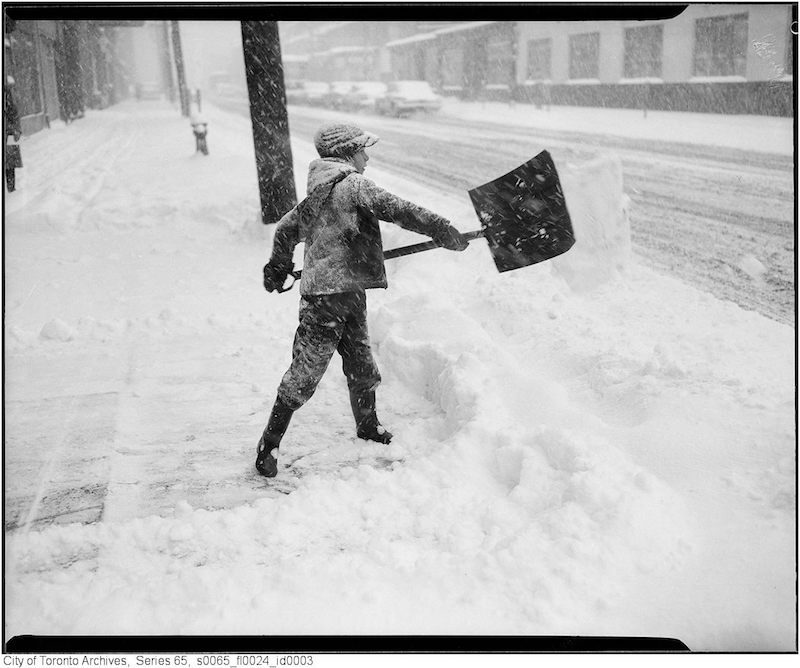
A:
[133,303]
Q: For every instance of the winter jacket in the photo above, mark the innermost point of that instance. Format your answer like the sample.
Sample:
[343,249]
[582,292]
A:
[338,222]
[10,115]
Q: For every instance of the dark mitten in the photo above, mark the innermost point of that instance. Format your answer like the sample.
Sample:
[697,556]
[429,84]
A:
[451,239]
[275,275]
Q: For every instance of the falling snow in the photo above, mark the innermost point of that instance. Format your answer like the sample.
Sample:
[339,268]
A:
[602,444]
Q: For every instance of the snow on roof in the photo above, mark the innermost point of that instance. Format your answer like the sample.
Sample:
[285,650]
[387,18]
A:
[342,49]
[335,25]
[321,30]
[471,25]
[410,40]
[349,49]
[464,26]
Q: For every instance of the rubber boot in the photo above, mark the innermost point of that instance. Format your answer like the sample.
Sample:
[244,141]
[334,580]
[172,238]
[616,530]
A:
[267,453]
[367,425]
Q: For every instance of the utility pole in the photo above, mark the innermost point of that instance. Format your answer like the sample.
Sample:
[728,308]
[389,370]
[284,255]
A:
[265,87]
[166,68]
[178,51]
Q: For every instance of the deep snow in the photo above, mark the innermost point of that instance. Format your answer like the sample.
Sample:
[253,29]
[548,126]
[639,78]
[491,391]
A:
[582,447]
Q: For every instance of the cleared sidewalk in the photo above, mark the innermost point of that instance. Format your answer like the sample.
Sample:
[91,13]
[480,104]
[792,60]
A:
[132,290]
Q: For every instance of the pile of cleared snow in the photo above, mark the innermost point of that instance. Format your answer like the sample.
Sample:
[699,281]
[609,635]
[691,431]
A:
[599,212]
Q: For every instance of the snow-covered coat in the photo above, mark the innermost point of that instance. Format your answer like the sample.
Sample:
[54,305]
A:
[338,222]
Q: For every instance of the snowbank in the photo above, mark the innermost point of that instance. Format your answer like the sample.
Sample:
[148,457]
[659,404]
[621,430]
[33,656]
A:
[768,134]
[582,446]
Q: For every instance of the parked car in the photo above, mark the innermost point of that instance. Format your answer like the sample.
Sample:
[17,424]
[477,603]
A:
[148,90]
[362,95]
[314,93]
[296,92]
[337,92]
[403,97]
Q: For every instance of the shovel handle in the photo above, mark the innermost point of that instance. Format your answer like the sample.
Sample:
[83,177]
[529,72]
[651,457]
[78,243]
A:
[426,245]
[397,252]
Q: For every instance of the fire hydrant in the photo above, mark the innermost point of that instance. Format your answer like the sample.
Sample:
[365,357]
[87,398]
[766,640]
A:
[200,130]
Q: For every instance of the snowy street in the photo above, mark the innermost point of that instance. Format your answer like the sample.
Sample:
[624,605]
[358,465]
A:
[602,444]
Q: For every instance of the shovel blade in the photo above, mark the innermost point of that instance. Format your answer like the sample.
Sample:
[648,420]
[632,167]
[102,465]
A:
[523,214]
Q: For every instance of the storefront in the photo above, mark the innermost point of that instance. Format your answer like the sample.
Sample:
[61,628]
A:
[30,69]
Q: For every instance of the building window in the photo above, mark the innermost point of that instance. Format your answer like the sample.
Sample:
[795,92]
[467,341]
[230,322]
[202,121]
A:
[643,49]
[27,91]
[419,65]
[720,46]
[584,56]
[499,62]
[453,69]
[539,58]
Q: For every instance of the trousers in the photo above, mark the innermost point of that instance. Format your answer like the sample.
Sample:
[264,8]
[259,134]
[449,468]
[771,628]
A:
[328,324]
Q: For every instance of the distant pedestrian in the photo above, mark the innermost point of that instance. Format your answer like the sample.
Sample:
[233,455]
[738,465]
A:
[13,128]
[338,221]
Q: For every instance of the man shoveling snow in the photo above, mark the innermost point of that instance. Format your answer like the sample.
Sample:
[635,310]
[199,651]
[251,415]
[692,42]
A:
[338,221]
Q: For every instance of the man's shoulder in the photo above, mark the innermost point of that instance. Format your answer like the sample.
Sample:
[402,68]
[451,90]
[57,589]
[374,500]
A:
[358,183]
[355,177]
[361,182]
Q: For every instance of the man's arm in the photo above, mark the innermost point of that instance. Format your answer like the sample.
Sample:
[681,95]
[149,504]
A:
[408,215]
[287,236]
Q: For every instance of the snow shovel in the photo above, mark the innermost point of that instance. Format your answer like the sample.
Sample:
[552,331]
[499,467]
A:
[523,217]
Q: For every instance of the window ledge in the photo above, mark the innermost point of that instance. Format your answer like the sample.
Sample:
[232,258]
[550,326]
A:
[642,80]
[735,78]
[582,81]
[533,82]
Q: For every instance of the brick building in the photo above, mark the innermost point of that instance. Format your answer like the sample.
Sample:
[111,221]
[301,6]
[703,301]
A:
[731,58]
[58,69]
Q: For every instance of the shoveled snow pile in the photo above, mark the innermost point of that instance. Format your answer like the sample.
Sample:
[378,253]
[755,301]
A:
[582,447]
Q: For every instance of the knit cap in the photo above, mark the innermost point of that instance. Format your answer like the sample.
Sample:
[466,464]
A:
[340,140]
